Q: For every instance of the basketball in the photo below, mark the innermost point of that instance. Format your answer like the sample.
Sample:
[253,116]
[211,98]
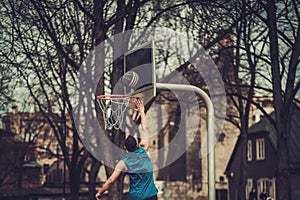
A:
[130,78]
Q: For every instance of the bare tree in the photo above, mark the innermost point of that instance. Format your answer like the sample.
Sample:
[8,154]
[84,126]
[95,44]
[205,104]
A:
[6,73]
[285,79]
[52,39]
[270,37]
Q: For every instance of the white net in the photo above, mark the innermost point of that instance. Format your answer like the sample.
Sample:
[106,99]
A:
[113,109]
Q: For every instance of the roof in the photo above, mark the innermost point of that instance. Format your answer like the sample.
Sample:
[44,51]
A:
[232,155]
[294,137]
[294,140]
[6,133]
[32,164]
[264,125]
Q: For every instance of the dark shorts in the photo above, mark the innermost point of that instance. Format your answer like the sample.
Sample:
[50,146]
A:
[152,198]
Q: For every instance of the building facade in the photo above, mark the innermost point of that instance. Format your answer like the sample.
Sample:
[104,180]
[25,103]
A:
[262,159]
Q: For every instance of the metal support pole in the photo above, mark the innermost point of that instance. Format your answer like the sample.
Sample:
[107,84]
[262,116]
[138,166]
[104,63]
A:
[64,134]
[210,130]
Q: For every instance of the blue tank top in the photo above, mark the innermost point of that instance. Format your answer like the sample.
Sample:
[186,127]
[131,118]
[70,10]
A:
[140,172]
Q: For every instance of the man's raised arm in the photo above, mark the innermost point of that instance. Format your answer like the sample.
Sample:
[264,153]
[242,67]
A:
[144,125]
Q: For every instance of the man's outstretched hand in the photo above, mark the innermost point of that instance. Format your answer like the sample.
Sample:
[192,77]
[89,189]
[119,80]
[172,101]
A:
[139,106]
[98,196]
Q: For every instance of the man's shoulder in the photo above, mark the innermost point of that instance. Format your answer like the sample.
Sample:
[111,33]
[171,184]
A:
[121,165]
[142,149]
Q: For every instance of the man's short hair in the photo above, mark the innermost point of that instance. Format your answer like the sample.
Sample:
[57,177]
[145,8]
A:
[130,143]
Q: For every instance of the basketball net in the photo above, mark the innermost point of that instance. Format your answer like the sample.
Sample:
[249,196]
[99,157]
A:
[113,109]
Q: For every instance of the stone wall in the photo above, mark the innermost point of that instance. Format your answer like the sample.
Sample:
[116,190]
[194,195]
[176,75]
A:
[177,190]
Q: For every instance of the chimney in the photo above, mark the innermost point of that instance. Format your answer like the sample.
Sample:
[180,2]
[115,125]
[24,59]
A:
[14,109]
[36,108]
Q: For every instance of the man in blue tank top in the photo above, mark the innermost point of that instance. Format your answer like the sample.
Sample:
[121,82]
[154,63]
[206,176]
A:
[137,164]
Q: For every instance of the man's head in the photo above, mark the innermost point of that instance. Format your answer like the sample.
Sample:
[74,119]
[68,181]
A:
[130,143]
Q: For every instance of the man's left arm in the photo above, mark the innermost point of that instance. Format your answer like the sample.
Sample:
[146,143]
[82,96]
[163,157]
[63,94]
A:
[121,166]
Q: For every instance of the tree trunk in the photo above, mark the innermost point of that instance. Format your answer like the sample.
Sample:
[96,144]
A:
[243,165]
[283,177]
[93,178]
[74,175]
[283,184]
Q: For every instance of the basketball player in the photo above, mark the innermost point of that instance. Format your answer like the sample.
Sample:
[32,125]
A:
[137,164]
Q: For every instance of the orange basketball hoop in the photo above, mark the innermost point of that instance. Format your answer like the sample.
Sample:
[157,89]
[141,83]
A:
[113,107]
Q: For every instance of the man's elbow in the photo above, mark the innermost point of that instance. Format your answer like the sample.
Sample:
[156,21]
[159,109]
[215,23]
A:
[145,145]
[146,148]
[110,181]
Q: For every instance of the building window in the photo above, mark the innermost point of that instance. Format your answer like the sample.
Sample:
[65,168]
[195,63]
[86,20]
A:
[249,150]
[268,186]
[45,149]
[260,149]
[26,158]
[249,187]
[272,188]
[253,118]
[46,133]
[221,137]
[262,185]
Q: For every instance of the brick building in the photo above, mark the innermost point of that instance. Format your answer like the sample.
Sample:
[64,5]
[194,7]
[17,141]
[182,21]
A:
[18,166]
[33,129]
